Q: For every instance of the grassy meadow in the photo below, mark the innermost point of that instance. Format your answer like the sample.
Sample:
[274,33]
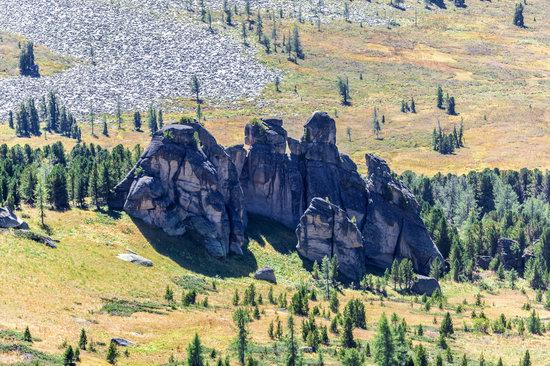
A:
[82,285]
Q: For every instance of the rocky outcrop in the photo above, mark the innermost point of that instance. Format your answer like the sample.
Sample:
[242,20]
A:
[281,187]
[325,230]
[271,182]
[9,220]
[185,181]
[393,227]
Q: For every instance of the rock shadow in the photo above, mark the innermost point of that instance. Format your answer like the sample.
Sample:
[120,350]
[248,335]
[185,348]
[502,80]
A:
[264,231]
[190,254]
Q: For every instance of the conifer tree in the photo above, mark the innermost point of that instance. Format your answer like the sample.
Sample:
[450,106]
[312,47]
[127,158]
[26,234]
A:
[137,121]
[518,16]
[27,65]
[112,353]
[241,319]
[196,87]
[291,354]
[194,352]
[83,340]
[68,356]
[383,343]
[343,89]
[105,131]
[440,97]
[27,337]
[152,120]
[347,332]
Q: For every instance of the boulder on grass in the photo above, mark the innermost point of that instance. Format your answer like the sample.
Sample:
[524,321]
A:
[122,342]
[8,220]
[265,274]
[136,259]
[424,285]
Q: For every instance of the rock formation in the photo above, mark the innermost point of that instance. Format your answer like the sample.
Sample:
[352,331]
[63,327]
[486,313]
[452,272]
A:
[186,181]
[393,227]
[325,230]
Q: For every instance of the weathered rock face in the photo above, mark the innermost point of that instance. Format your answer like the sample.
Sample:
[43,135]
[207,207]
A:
[393,227]
[281,187]
[271,182]
[9,220]
[186,181]
[325,230]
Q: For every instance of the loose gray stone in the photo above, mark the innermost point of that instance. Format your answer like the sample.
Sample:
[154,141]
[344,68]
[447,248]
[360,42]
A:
[122,342]
[136,259]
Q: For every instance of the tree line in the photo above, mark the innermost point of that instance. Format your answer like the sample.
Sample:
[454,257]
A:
[468,214]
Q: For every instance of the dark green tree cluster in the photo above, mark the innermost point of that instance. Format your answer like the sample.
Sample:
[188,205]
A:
[49,176]
[51,111]
[391,347]
[27,64]
[448,143]
[447,102]
[468,214]
[408,107]
[402,274]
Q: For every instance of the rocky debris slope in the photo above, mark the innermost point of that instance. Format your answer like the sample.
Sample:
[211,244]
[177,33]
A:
[138,53]
[326,10]
[325,230]
[186,181]
[393,227]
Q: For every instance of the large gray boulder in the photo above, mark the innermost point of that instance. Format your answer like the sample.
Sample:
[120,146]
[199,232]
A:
[265,274]
[135,259]
[424,285]
[393,227]
[9,220]
[325,230]
[185,181]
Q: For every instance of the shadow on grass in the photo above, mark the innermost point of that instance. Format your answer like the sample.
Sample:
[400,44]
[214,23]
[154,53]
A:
[264,230]
[190,254]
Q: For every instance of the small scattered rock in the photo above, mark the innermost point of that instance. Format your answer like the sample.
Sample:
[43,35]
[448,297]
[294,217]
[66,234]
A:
[136,259]
[265,274]
[424,285]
